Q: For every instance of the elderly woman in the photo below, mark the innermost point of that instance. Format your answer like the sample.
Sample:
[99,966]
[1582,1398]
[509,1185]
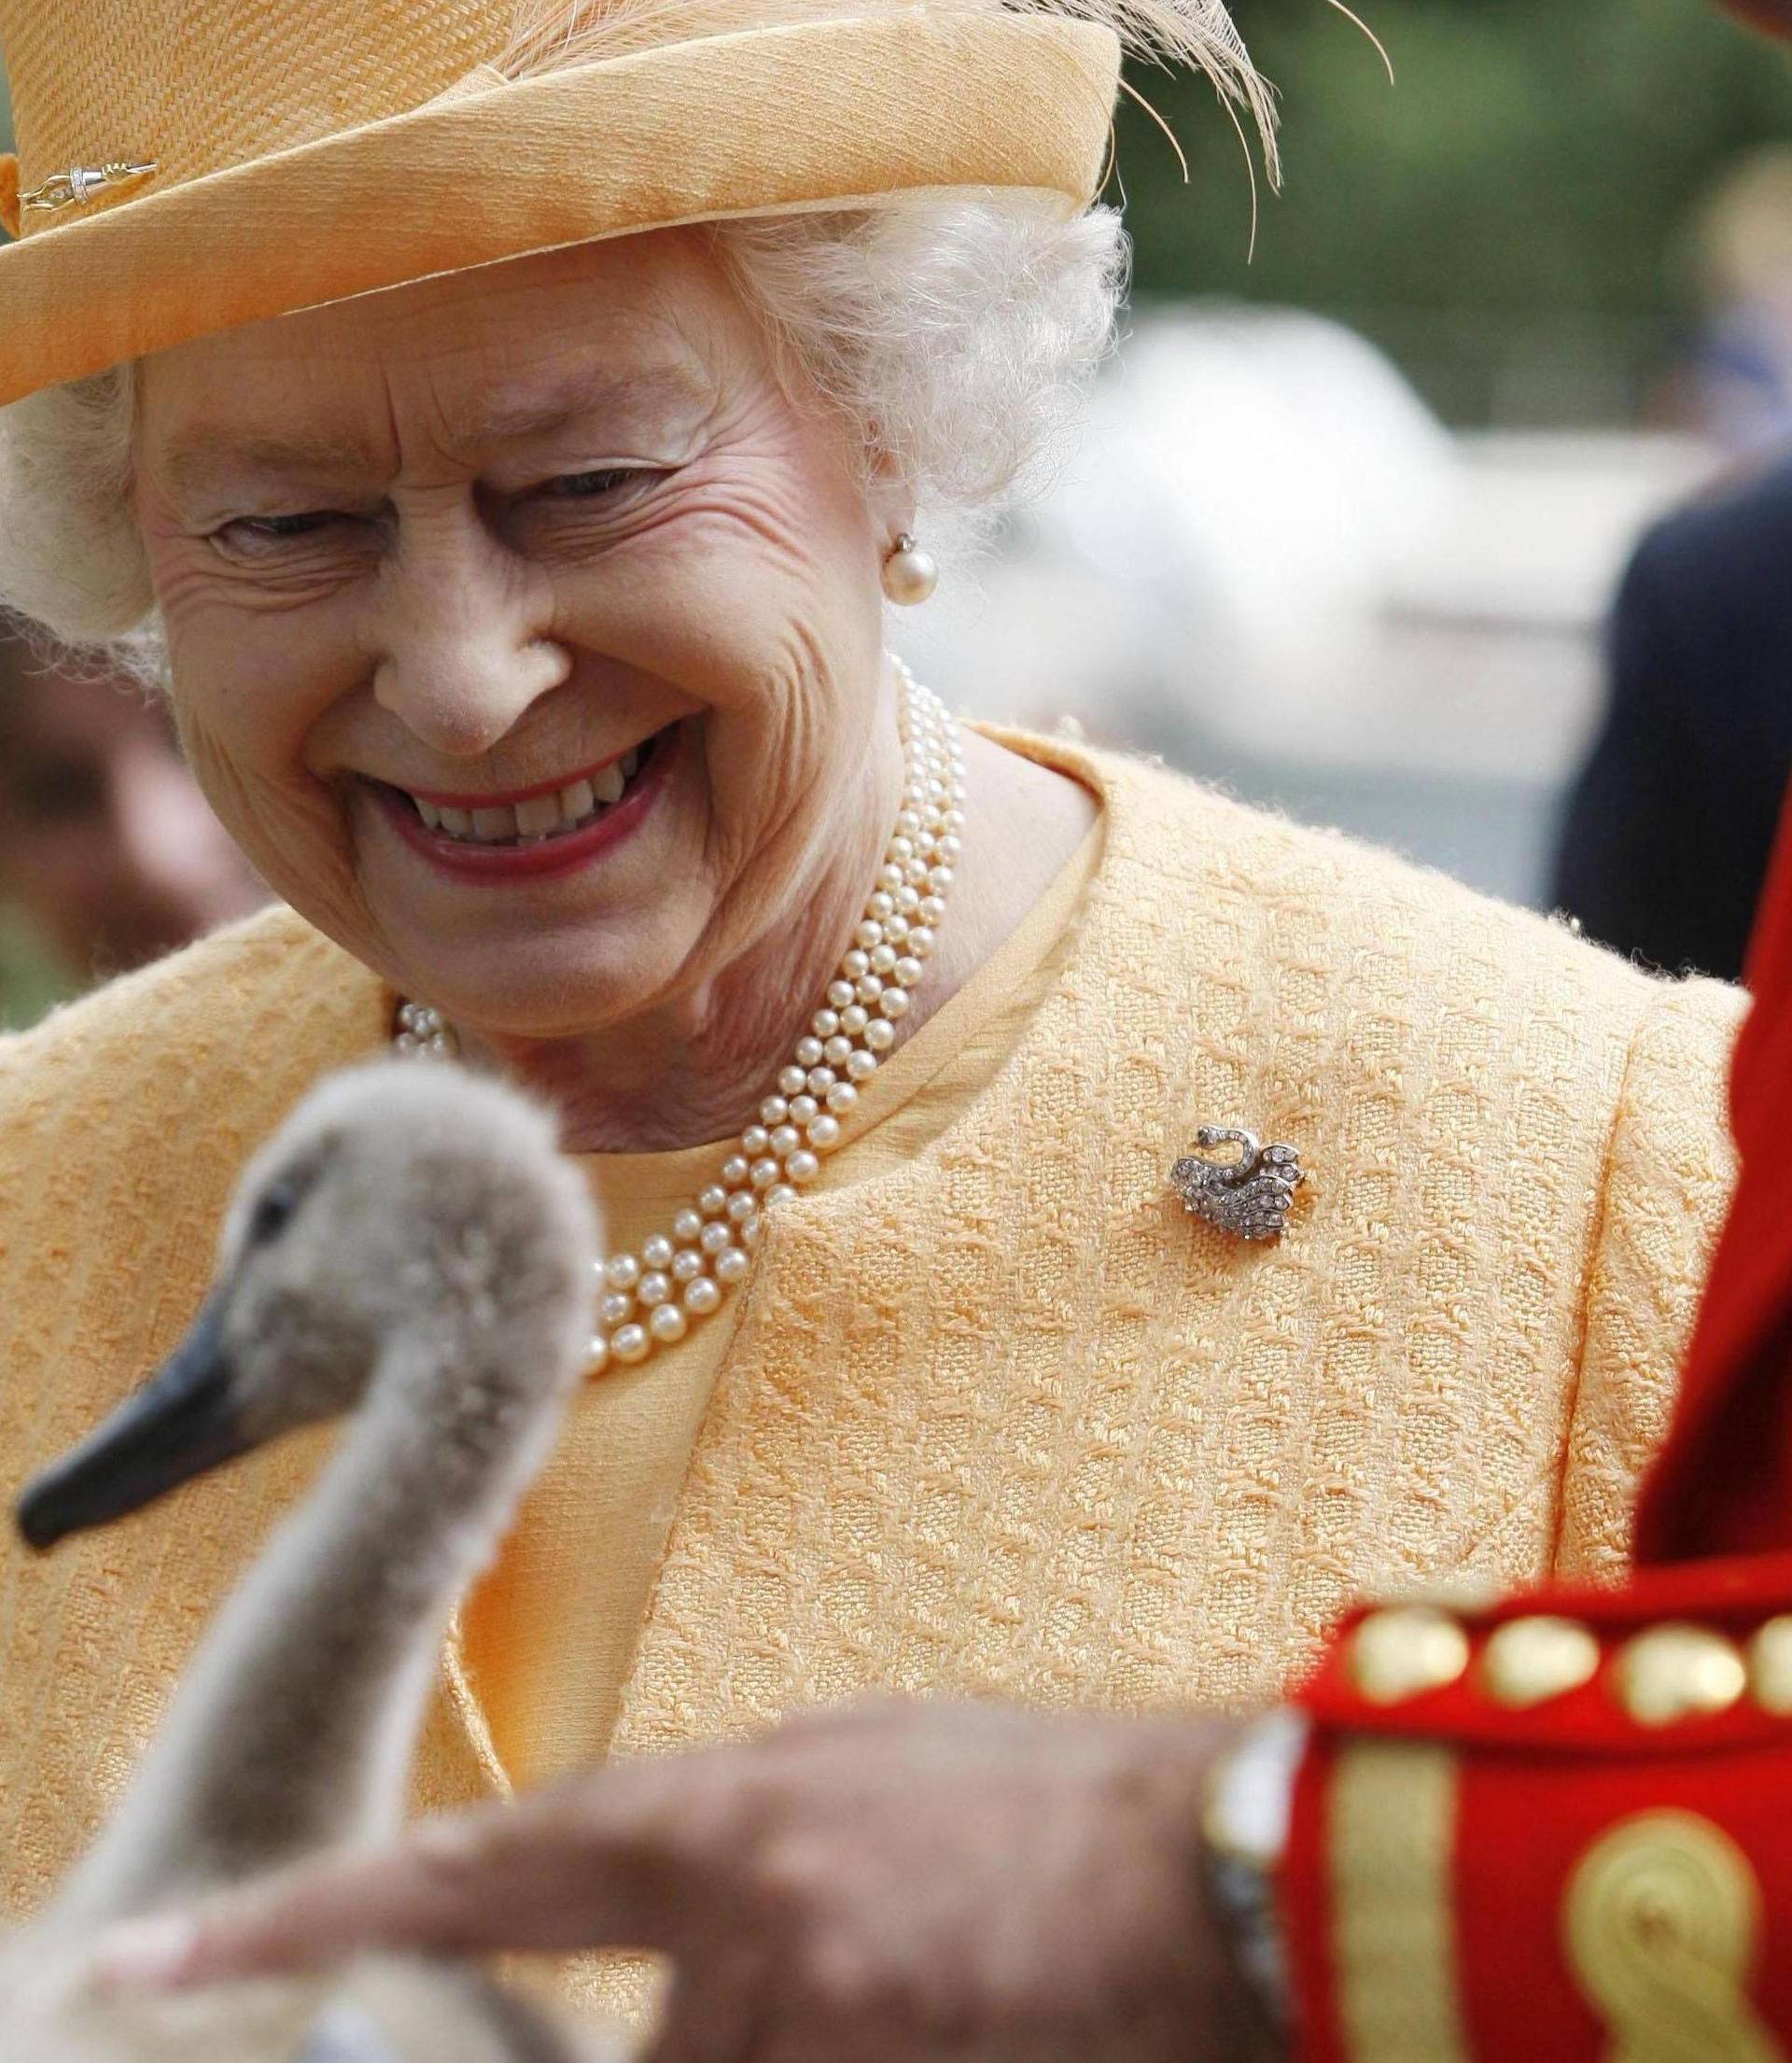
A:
[507,437]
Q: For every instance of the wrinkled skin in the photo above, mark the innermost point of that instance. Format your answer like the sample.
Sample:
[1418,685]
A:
[893,1884]
[485,531]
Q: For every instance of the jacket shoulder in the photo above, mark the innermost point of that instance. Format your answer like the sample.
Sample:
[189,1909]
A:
[124,1122]
[140,1102]
[1356,915]
[261,999]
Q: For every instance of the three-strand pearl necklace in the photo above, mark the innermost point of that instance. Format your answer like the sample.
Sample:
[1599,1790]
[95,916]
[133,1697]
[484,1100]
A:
[651,1299]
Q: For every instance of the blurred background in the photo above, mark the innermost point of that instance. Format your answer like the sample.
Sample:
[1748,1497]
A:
[1347,525]
[1357,501]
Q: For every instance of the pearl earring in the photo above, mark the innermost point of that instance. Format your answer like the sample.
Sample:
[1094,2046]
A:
[910,574]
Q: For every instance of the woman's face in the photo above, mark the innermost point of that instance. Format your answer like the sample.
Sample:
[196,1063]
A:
[444,569]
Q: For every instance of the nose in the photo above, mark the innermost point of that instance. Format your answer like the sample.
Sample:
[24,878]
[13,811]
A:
[460,644]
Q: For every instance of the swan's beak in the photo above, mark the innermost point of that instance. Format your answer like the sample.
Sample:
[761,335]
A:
[181,1422]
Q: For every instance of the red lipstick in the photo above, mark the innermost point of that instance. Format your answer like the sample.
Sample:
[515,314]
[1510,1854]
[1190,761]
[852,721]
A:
[539,859]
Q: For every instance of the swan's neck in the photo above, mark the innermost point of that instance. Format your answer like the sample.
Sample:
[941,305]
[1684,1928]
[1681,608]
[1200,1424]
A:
[296,1723]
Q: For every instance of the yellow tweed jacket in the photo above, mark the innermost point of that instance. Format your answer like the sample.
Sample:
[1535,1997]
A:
[1008,1420]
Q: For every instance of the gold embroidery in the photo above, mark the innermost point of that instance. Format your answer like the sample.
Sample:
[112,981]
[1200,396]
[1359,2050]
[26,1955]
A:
[1661,1924]
[1392,1829]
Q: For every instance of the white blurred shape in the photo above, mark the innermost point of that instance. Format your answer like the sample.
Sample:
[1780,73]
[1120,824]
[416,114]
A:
[1246,485]
[1267,550]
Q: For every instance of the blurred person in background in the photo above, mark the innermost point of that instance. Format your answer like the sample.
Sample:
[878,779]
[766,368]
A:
[1667,834]
[108,852]
[1738,388]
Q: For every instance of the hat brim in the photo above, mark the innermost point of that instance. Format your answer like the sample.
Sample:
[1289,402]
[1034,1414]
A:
[764,121]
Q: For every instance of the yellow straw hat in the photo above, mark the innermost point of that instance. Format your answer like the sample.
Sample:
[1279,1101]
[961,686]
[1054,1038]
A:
[188,165]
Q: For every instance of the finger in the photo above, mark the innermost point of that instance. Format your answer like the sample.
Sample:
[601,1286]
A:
[323,1912]
[606,1862]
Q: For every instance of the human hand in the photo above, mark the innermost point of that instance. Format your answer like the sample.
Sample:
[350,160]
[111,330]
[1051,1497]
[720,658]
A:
[891,1883]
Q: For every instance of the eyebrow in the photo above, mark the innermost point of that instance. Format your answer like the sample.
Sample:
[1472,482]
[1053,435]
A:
[208,459]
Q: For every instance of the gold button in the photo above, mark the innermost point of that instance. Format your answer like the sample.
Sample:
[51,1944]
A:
[1678,1673]
[1398,1654]
[1769,1666]
[1529,1660]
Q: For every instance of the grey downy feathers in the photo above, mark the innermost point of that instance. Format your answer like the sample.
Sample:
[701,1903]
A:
[411,1249]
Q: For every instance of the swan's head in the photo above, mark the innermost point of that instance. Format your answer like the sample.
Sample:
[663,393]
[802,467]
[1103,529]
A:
[410,1239]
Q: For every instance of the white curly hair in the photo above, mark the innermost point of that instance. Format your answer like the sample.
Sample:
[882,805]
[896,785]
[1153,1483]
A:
[955,332]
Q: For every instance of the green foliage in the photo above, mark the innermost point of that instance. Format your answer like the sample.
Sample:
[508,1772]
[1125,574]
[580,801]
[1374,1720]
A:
[30,981]
[1533,156]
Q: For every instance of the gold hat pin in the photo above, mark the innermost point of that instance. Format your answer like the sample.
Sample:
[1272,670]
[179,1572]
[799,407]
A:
[75,187]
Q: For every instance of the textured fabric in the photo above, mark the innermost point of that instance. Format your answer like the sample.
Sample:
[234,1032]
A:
[1679,1815]
[1005,1419]
[549,1636]
[329,175]
[200,88]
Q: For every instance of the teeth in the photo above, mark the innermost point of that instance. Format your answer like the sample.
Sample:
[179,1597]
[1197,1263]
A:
[539,814]
[493,826]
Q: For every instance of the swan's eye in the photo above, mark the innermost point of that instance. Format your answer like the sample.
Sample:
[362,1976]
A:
[273,1209]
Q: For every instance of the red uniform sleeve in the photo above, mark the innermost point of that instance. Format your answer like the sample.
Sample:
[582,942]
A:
[1560,1829]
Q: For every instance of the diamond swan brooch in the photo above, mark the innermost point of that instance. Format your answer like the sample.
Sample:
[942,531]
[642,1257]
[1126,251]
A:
[1249,1196]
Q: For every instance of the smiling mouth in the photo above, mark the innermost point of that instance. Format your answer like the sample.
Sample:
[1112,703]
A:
[542,819]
